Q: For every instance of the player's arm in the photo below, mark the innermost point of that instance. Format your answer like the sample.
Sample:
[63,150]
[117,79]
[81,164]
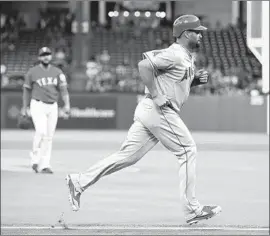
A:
[148,67]
[195,82]
[64,92]
[160,60]
[27,90]
[201,77]
[147,73]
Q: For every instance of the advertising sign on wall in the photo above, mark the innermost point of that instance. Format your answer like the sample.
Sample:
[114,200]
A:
[115,111]
[90,112]
[87,112]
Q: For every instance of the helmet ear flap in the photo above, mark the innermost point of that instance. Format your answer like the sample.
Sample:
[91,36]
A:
[186,34]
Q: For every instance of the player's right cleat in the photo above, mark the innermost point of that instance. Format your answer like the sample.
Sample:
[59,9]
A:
[206,213]
[46,171]
[35,167]
[74,195]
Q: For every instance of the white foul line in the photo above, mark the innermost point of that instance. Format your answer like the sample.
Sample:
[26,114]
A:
[230,228]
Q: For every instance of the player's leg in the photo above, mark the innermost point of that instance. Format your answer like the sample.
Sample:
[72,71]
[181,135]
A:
[46,146]
[38,115]
[174,135]
[171,131]
[138,142]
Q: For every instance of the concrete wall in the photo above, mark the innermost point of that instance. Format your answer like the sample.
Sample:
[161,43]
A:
[209,113]
[200,113]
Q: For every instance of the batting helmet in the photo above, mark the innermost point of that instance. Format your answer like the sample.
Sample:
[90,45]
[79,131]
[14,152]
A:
[44,51]
[186,22]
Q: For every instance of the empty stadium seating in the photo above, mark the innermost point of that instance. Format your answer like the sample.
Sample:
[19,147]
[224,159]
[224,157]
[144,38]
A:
[224,49]
[25,53]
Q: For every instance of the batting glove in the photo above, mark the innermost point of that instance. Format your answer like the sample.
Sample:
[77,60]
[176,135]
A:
[202,76]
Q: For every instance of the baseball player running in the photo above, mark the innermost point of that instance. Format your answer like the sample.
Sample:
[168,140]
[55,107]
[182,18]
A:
[168,75]
[43,83]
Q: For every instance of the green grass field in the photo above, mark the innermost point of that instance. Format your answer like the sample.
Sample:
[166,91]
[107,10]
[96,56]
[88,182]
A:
[232,171]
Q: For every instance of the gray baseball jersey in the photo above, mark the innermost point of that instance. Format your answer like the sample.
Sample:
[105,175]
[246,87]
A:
[174,72]
[174,67]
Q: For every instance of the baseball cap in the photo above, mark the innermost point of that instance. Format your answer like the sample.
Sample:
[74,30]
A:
[44,51]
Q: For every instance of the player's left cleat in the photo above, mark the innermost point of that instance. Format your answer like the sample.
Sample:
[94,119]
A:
[74,194]
[35,167]
[206,213]
[46,171]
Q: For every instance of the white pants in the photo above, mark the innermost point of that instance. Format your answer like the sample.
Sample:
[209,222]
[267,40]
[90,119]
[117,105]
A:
[151,125]
[45,118]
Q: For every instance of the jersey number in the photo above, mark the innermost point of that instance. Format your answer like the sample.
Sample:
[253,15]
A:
[188,74]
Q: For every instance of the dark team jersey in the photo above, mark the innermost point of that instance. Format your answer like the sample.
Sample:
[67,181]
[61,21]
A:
[45,83]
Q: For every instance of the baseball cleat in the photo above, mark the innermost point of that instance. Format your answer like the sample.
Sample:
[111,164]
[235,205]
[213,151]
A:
[35,167]
[206,213]
[74,195]
[46,171]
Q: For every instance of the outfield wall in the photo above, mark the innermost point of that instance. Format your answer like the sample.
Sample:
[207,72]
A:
[115,111]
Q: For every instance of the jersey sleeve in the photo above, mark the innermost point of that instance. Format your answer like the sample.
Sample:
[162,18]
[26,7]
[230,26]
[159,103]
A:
[28,80]
[160,59]
[62,79]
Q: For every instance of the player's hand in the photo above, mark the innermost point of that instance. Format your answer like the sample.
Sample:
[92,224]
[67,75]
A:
[161,101]
[66,112]
[202,76]
[24,111]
